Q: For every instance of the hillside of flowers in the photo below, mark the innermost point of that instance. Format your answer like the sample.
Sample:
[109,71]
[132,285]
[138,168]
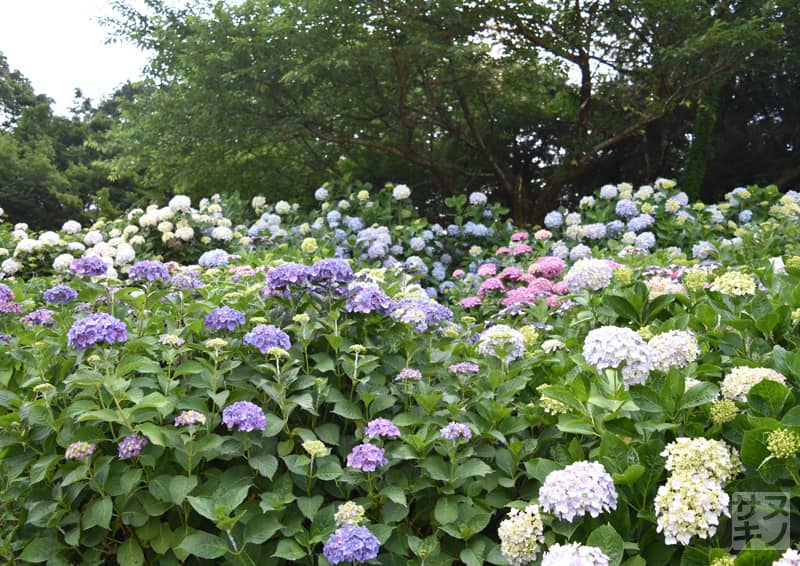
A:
[256,383]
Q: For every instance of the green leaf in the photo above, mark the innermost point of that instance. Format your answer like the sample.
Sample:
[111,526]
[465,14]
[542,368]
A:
[768,398]
[327,468]
[348,410]
[472,467]
[699,394]
[436,467]
[204,545]
[153,433]
[289,550]
[630,475]
[622,307]
[39,549]
[98,514]
[130,554]
[608,540]
[310,505]
[265,464]
[394,493]
[205,506]
[261,528]
[446,510]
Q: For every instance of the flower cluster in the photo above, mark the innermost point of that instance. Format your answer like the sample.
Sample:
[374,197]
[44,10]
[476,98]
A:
[190,417]
[89,266]
[521,535]
[734,283]
[265,337]
[244,416]
[574,554]
[60,294]
[96,328]
[589,275]
[579,489]
[741,379]
[689,505]
[351,543]
[618,348]
[349,513]
[148,270]
[79,450]
[454,431]
[502,337]
[131,446]
[673,349]
[224,318]
[382,427]
[315,448]
[714,457]
[783,443]
[366,457]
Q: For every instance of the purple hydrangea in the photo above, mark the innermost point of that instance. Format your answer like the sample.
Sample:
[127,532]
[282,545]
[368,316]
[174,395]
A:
[224,318]
[131,446]
[39,317]
[626,209]
[186,281]
[409,374]
[331,272]
[366,457]
[464,368]
[455,430]
[89,266]
[286,276]
[245,416]
[382,427]
[266,336]
[579,489]
[6,294]
[421,313]
[148,270]
[351,543]
[96,328]
[60,294]
[190,417]
[368,299]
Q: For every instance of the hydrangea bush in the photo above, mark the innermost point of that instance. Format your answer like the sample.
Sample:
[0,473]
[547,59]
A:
[354,383]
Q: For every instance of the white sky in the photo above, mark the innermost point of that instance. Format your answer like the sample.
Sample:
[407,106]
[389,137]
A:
[59,45]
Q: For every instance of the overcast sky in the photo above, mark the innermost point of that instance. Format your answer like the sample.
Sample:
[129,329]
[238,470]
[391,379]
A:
[59,45]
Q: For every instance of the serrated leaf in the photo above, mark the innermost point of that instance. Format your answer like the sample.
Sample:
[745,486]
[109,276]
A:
[130,553]
[204,545]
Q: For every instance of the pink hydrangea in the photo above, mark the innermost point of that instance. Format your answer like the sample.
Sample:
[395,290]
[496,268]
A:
[521,295]
[458,273]
[549,267]
[491,284]
[540,284]
[487,270]
[560,288]
[511,273]
[519,236]
[542,234]
[470,302]
[503,251]
[522,249]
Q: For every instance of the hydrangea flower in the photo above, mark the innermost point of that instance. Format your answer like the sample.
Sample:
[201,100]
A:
[89,266]
[214,258]
[454,431]
[349,513]
[79,450]
[553,219]
[589,274]
[714,457]
[315,448]
[501,336]
[626,209]
[409,374]
[224,318]
[658,286]
[6,294]
[789,558]
[96,328]
[689,505]
[464,368]
[59,294]
[331,272]
[740,380]
[401,192]
[477,199]
[734,283]
[245,416]
[190,417]
[579,489]
[421,313]
[39,317]
[382,427]
[148,270]
[615,347]
[521,535]
[265,336]
[186,281]
[351,543]
[366,457]
[367,299]
[574,554]
[131,446]
[673,349]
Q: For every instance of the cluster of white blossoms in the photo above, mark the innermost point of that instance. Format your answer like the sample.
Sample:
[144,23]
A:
[588,274]
[616,347]
[693,499]
[401,192]
[574,554]
[521,535]
[501,337]
[688,505]
[673,349]
[741,379]
[658,286]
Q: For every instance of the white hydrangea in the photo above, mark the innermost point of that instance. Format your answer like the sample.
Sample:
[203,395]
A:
[574,554]
[573,219]
[184,233]
[587,202]
[125,254]
[521,535]
[658,285]
[551,345]
[644,193]
[180,203]
[165,214]
[10,266]
[689,505]
[222,233]
[76,247]
[137,240]
[165,226]
[741,380]
[19,234]
[258,202]
[588,274]
[23,226]
[93,237]
[27,246]
[789,558]
[477,199]
[401,192]
[71,227]
[714,457]
[321,194]
[283,207]
[616,347]
[673,349]
[501,336]
[343,204]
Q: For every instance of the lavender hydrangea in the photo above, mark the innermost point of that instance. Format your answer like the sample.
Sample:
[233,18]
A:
[244,416]
[789,558]
[553,219]
[502,337]
[351,543]
[131,446]
[186,281]
[421,313]
[89,266]
[409,374]
[366,457]
[454,431]
[39,317]
[60,294]
[589,274]
[382,427]
[148,270]
[6,294]
[224,318]
[626,209]
[574,554]
[615,347]
[676,348]
[464,368]
[214,258]
[96,328]
[579,489]
[190,417]
[288,275]
[367,299]
[265,336]
[331,272]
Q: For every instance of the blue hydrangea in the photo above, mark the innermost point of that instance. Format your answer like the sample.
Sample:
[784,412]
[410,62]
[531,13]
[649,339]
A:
[615,228]
[353,223]
[333,218]
[186,281]
[476,230]
[96,328]
[89,266]
[244,416]
[148,270]
[453,230]
[331,272]
[416,243]
[646,240]
[626,209]
[224,318]
[288,275]
[60,294]
[416,265]
[265,336]
[351,543]
[640,222]
[214,258]
[553,219]
[367,299]
[745,216]
[421,313]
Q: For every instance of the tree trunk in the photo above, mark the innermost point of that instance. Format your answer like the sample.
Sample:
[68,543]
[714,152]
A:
[702,148]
